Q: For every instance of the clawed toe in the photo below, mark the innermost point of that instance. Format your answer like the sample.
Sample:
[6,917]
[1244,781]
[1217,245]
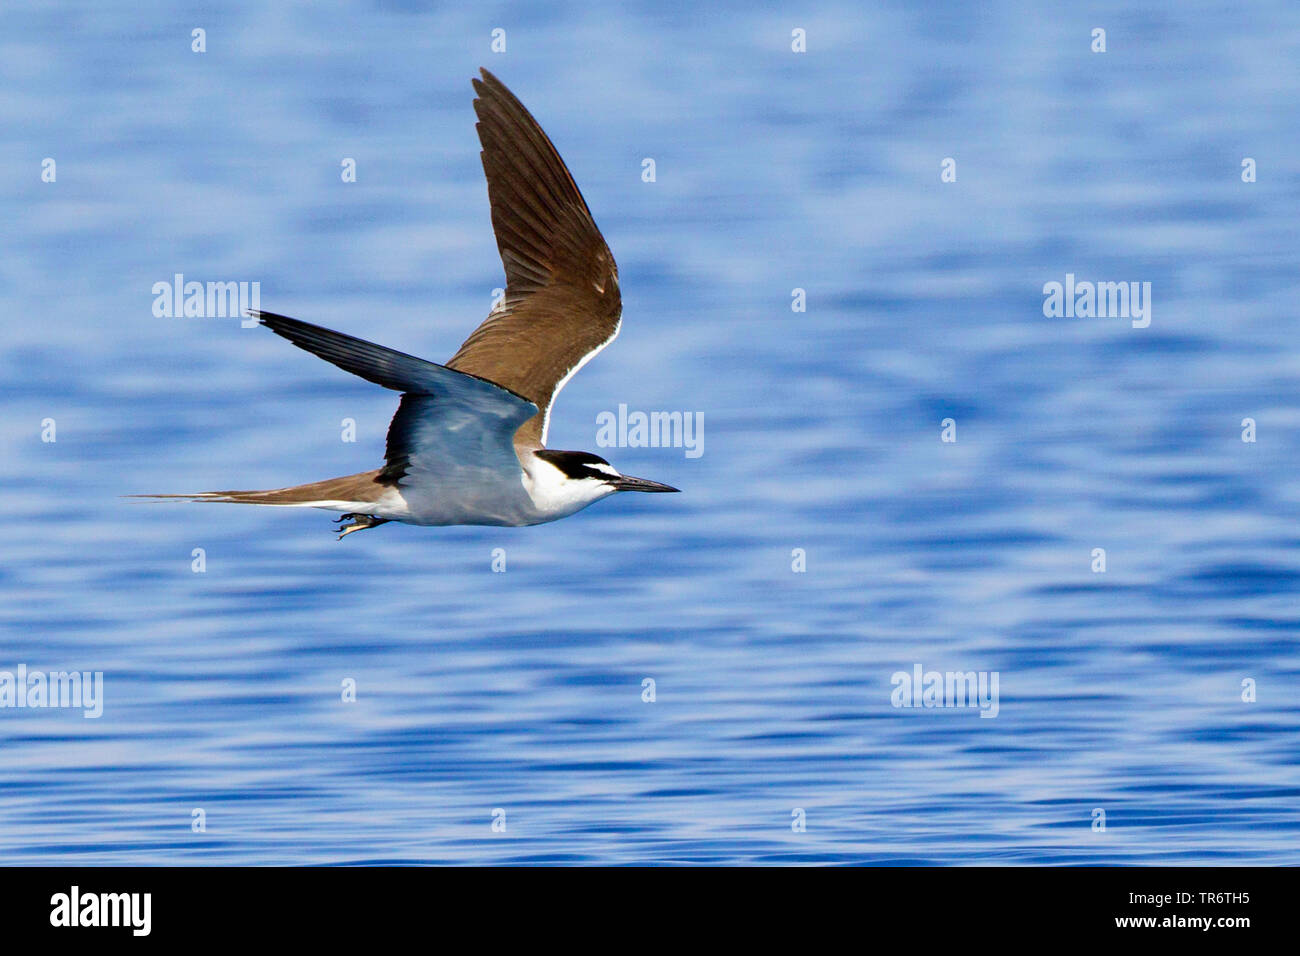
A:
[359,523]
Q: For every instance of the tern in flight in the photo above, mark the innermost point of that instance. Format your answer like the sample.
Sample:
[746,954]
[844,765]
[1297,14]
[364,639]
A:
[468,442]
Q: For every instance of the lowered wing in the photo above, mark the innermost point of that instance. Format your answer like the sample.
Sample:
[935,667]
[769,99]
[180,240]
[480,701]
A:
[450,426]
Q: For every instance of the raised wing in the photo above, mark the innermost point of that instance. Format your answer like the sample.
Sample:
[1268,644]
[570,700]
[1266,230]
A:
[450,426]
[562,302]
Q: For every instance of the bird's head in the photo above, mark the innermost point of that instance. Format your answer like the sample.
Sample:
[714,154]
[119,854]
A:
[578,478]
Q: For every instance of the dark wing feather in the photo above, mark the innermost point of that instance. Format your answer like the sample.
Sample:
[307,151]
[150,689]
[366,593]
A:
[375,363]
[562,300]
[449,421]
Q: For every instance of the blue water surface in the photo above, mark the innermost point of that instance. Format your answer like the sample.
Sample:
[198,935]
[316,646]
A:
[1161,692]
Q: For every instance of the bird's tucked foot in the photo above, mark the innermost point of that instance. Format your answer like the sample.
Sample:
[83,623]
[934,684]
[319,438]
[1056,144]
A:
[359,523]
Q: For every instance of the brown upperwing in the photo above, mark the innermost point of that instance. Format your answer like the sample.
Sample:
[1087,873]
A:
[562,299]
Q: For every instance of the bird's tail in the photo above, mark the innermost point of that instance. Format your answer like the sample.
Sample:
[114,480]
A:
[349,493]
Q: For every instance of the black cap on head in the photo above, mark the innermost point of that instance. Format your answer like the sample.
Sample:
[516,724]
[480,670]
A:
[583,464]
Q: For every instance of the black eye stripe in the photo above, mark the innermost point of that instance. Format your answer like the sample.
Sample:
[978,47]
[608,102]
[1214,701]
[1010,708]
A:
[575,464]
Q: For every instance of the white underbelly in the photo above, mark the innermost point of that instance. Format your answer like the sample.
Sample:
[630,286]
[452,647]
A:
[491,502]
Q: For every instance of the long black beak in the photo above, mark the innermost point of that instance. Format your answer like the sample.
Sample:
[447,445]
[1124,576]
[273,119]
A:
[628,483]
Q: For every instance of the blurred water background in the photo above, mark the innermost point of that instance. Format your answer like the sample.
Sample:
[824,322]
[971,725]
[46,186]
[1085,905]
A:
[775,171]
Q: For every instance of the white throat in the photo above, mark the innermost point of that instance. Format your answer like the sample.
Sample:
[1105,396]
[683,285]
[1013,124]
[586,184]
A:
[554,493]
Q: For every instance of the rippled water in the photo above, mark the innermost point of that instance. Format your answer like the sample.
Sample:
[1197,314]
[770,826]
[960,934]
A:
[522,691]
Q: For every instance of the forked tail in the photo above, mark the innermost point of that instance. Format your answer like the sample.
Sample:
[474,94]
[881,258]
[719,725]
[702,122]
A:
[349,493]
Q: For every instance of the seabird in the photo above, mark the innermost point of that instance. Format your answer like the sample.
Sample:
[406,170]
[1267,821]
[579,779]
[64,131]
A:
[468,442]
